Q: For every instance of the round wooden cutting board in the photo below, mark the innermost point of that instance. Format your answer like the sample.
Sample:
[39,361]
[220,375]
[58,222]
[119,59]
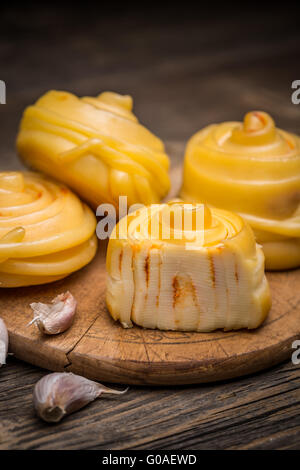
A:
[98,348]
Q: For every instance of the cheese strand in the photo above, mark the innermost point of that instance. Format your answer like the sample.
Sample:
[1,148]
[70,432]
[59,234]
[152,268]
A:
[96,146]
[46,232]
[252,168]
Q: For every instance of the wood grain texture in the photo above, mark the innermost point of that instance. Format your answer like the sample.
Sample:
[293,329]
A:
[255,412]
[184,70]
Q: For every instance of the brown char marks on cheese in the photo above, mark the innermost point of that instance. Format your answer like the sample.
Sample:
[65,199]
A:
[236,272]
[176,290]
[120,260]
[182,287]
[147,267]
[194,294]
[212,269]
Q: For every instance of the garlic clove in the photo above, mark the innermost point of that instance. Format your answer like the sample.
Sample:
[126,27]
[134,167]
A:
[3,342]
[61,393]
[55,317]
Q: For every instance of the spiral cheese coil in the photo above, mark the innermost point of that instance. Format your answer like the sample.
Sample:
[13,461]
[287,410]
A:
[186,267]
[252,168]
[96,146]
[46,232]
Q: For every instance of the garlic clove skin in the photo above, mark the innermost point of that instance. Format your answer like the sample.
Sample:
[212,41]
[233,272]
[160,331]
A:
[3,342]
[61,393]
[56,317]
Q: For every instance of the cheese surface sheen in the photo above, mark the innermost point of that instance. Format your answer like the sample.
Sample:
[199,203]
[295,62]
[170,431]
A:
[186,267]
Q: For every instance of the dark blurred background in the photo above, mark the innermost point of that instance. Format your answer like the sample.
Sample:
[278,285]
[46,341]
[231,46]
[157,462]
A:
[184,66]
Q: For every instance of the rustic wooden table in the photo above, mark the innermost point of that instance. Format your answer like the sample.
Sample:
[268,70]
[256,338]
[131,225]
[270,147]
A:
[184,70]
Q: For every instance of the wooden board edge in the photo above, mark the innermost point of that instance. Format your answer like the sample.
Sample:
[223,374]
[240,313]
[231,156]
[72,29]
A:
[162,374]
[46,357]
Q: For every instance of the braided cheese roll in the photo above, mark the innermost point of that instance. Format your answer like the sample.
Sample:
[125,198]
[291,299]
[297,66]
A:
[252,168]
[96,146]
[170,275]
[46,232]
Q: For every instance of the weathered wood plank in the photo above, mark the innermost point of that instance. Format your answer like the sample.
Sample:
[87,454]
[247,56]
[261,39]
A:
[259,411]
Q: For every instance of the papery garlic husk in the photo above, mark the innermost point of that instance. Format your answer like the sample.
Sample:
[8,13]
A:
[95,145]
[56,317]
[197,279]
[62,393]
[3,342]
[46,232]
[252,168]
